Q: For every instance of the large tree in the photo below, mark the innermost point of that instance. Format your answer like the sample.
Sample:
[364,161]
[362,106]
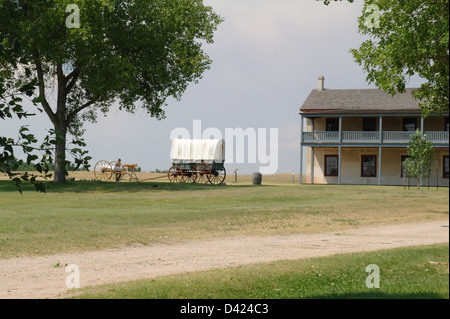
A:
[407,38]
[92,53]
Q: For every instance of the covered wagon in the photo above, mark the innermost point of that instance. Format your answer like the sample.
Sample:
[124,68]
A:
[197,161]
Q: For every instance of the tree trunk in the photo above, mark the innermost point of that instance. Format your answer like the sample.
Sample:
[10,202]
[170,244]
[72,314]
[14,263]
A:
[60,128]
[60,154]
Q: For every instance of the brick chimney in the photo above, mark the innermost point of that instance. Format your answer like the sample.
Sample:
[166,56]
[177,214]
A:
[321,82]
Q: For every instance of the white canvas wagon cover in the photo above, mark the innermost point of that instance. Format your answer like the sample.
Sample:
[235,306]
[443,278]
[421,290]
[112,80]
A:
[195,151]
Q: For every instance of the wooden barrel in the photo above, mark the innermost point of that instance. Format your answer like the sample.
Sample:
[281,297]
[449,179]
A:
[257,179]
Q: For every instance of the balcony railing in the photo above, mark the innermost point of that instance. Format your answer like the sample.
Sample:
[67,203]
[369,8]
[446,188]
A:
[397,137]
[357,137]
[437,137]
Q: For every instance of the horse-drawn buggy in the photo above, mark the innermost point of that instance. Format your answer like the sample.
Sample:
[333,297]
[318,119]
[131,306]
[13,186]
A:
[197,161]
[104,171]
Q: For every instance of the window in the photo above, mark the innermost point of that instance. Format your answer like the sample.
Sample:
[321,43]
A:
[409,124]
[331,165]
[404,157]
[332,124]
[446,124]
[446,167]
[369,124]
[368,166]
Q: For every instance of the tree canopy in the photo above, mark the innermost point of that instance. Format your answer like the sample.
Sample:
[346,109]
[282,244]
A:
[407,38]
[101,52]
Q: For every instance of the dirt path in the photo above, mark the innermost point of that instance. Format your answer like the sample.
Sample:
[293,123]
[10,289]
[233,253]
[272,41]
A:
[36,277]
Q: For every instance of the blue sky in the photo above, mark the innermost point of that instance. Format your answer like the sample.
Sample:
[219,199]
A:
[266,59]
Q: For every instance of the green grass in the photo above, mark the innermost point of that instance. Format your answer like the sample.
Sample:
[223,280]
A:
[417,272]
[94,215]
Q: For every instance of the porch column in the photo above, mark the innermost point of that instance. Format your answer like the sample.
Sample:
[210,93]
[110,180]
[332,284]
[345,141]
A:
[421,131]
[340,143]
[379,165]
[312,153]
[312,165]
[380,148]
[421,124]
[301,148]
[339,166]
[380,129]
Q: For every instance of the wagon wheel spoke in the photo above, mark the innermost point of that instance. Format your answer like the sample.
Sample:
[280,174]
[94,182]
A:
[218,176]
[180,175]
[103,170]
[202,173]
[175,174]
[189,176]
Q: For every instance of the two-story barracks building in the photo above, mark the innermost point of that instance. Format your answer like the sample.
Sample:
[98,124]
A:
[361,137]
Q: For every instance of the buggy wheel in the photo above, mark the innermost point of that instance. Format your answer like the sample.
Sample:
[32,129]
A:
[202,172]
[189,176]
[175,174]
[103,171]
[218,176]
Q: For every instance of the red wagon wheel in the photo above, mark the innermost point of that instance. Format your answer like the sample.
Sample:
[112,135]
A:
[175,174]
[103,171]
[189,176]
[202,172]
[218,176]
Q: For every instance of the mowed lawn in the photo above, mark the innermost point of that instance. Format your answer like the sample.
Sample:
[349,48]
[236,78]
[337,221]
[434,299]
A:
[85,215]
[405,273]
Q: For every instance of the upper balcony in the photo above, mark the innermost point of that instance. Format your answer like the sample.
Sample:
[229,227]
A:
[361,137]
[386,130]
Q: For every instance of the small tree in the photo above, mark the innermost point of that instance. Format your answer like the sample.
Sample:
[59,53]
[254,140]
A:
[421,156]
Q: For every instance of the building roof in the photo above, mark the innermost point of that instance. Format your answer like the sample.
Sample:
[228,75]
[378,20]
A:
[359,101]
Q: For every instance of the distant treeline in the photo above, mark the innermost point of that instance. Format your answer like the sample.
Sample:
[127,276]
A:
[159,171]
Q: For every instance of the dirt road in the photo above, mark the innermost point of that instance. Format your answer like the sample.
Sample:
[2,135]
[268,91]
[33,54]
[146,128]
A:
[37,277]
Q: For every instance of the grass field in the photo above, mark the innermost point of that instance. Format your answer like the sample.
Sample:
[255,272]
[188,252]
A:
[85,215]
[89,215]
[416,272]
